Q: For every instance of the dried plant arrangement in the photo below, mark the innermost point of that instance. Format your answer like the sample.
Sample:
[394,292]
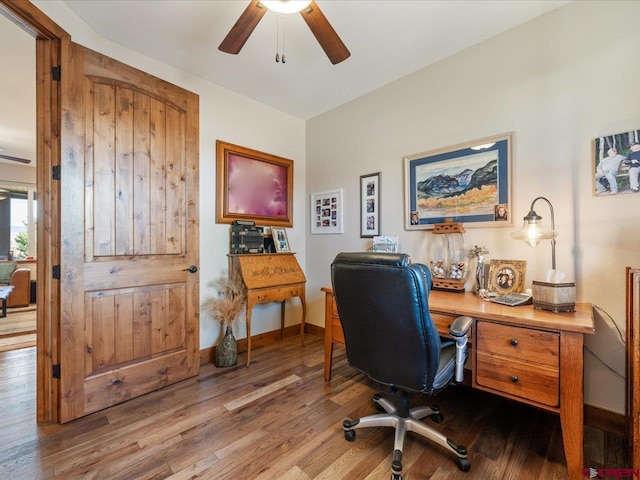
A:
[230,299]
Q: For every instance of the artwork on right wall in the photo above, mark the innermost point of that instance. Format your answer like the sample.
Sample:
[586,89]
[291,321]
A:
[616,163]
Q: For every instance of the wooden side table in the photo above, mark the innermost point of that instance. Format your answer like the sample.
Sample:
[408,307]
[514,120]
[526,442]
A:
[4,294]
[270,278]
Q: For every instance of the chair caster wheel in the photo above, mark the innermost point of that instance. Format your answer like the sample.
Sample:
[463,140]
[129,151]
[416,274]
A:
[349,435]
[437,417]
[396,476]
[464,464]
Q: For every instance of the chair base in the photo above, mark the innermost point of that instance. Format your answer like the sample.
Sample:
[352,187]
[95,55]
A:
[405,420]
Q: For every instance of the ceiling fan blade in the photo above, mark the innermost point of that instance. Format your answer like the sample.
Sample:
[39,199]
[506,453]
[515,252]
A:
[325,34]
[242,29]
[15,159]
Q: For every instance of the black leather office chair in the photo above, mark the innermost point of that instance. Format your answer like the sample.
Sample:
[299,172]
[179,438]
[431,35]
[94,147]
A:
[382,301]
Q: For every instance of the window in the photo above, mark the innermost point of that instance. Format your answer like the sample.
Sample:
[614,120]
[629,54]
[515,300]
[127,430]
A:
[18,207]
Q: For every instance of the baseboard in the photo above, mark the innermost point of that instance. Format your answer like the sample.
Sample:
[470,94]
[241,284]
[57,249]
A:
[314,330]
[262,339]
[606,420]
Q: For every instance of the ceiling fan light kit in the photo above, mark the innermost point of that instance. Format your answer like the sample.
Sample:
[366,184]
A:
[286,6]
[310,12]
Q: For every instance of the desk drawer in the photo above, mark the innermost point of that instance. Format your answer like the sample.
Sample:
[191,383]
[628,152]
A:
[275,294]
[524,344]
[536,383]
[518,361]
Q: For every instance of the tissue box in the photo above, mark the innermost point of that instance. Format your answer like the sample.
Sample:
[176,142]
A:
[557,297]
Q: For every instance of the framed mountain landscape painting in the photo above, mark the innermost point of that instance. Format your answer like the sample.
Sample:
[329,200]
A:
[469,183]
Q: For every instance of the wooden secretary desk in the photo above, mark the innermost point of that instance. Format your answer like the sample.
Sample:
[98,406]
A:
[269,278]
[528,355]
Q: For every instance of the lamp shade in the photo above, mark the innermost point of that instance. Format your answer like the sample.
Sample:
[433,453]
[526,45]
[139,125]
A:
[533,231]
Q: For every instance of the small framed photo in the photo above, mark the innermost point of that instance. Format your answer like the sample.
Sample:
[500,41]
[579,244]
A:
[507,276]
[326,212]
[370,205]
[280,240]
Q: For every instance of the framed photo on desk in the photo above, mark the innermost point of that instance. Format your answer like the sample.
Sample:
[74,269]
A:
[507,276]
[280,240]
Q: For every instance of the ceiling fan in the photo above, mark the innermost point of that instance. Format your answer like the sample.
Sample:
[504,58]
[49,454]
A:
[14,159]
[312,15]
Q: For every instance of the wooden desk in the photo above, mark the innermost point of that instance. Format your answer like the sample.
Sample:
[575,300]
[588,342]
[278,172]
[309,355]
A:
[270,278]
[528,355]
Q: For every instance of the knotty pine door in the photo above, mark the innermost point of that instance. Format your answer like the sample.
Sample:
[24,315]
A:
[129,228]
[633,365]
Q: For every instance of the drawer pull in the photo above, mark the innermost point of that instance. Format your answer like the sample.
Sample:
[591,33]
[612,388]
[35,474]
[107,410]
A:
[513,378]
[514,342]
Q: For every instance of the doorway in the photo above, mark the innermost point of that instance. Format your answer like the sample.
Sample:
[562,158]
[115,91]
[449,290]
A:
[50,41]
[18,190]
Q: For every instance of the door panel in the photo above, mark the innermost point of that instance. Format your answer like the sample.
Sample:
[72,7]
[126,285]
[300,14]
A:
[130,319]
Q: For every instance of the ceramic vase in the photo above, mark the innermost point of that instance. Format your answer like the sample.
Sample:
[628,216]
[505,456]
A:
[227,350]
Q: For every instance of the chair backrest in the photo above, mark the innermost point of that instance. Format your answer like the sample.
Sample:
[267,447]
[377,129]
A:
[382,301]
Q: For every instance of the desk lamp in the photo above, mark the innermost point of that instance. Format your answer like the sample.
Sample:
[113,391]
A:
[550,295]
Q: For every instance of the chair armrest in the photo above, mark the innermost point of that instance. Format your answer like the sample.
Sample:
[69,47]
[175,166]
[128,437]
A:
[460,326]
[458,330]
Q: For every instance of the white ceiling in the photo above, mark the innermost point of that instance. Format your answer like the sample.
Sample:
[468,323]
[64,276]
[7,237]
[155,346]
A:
[388,39]
[17,93]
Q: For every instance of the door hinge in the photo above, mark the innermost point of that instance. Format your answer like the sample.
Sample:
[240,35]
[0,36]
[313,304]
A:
[56,172]
[56,72]
[55,370]
[55,272]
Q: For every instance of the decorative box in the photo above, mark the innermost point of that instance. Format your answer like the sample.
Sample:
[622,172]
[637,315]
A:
[557,297]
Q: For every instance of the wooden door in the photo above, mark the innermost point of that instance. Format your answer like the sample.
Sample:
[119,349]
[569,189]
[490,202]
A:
[129,228]
[633,365]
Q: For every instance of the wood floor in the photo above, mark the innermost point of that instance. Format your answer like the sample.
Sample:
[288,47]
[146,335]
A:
[277,419]
[18,322]
[18,329]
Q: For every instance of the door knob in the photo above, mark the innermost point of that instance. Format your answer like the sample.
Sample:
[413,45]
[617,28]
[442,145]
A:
[191,269]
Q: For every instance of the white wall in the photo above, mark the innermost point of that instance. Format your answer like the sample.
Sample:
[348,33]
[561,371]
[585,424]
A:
[557,82]
[226,116]
[17,173]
